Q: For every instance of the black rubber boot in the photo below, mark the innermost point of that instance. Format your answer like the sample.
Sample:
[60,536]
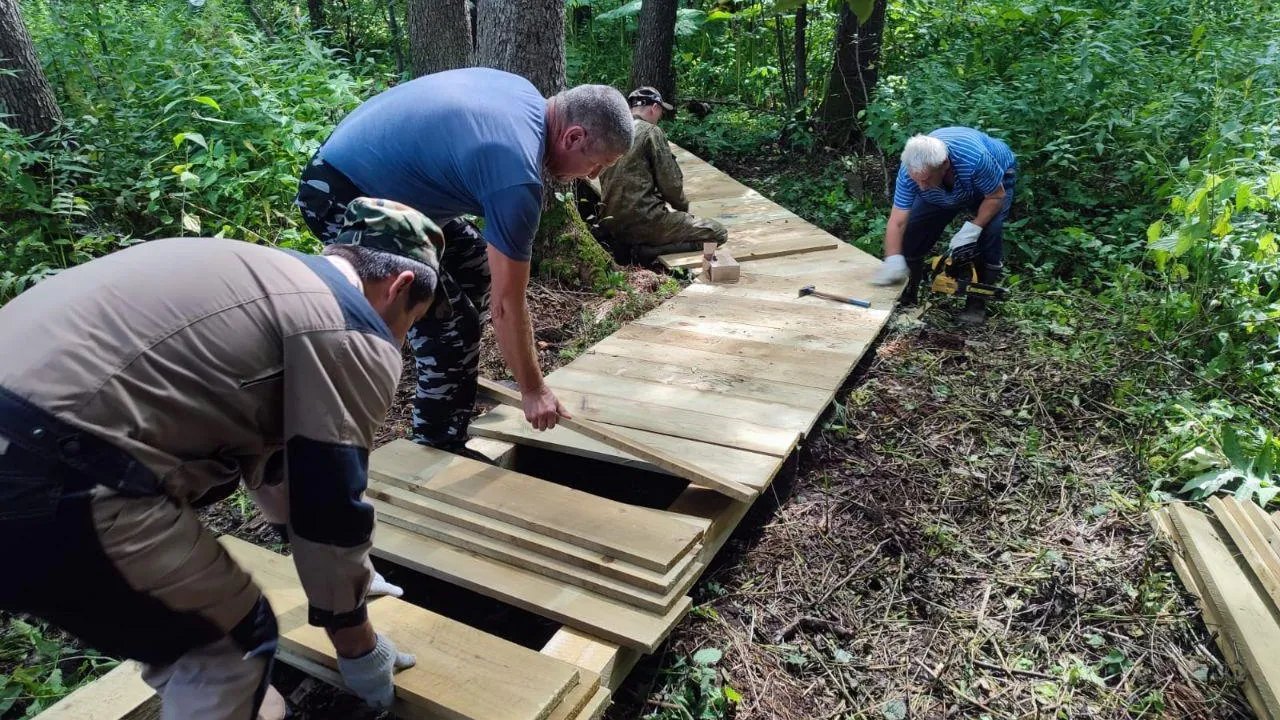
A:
[975,306]
[915,274]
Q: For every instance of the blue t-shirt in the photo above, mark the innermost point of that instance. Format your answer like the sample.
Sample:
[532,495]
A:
[461,142]
[980,162]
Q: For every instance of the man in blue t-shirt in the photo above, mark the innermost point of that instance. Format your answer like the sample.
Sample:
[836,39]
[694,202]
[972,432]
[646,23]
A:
[949,170]
[474,141]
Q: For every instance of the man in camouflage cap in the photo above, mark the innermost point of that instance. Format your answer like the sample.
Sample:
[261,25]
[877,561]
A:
[638,189]
[163,376]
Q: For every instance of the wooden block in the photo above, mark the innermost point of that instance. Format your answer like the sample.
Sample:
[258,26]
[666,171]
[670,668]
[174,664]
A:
[709,250]
[461,672]
[403,494]
[723,268]
[655,602]
[587,611]
[1248,617]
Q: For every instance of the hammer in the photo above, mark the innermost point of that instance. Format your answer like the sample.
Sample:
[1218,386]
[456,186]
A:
[808,290]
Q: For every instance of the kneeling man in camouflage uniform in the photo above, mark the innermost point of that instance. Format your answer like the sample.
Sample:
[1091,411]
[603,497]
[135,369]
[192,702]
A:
[637,190]
[137,386]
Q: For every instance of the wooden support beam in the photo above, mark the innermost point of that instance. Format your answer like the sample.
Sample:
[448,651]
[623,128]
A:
[675,466]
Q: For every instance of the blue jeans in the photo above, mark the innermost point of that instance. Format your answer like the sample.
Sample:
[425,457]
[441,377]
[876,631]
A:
[927,221]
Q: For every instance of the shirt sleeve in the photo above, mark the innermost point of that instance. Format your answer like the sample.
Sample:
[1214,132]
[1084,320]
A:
[987,173]
[511,219]
[337,388]
[666,171]
[904,190]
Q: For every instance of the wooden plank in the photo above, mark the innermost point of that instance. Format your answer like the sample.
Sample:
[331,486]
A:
[843,259]
[605,435]
[572,606]
[594,709]
[550,567]
[636,534]
[1164,528]
[831,366]
[1248,617]
[403,494]
[811,315]
[693,377]
[1266,525]
[688,424]
[785,289]
[750,251]
[461,672]
[752,469]
[577,699]
[118,695]
[802,339]
[665,395]
[1250,544]
[784,372]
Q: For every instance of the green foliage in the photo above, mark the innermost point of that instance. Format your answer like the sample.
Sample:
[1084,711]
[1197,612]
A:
[693,689]
[177,124]
[42,668]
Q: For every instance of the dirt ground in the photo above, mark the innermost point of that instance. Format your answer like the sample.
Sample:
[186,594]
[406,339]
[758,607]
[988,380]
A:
[962,540]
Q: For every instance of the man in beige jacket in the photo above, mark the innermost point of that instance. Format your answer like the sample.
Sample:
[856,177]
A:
[135,385]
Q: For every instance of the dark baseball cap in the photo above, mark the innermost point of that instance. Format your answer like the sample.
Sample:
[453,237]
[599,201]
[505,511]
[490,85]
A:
[392,227]
[648,96]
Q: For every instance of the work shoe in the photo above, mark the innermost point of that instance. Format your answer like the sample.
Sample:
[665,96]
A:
[975,307]
[915,274]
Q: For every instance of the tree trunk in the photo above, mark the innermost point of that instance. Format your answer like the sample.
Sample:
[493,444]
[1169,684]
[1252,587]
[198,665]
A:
[779,26]
[655,44]
[25,95]
[439,35]
[525,37]
[802,52]
[257,19]
[855,67]
[396,41]
[315,11]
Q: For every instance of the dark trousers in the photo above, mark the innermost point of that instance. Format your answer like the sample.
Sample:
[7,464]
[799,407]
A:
[927,222]
[446,353]
[59,568]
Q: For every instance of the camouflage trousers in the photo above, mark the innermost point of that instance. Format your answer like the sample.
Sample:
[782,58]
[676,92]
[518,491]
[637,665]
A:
[446,352]
[673,232]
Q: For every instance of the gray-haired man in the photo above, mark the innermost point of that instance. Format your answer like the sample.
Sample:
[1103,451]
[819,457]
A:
[474,141]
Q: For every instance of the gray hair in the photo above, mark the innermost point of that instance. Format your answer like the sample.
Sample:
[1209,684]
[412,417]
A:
[924,153]
[602,111]
[371,265]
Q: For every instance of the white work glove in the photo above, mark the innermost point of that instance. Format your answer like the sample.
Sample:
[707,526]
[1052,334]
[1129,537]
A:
[369,676]
[964,244]
[380,586]
[893,270]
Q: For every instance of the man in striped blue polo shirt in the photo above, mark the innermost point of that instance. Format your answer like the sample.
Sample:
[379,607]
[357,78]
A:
[949,170]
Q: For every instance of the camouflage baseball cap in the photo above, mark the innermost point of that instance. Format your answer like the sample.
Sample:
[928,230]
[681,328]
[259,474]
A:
[647,95]
[392,227]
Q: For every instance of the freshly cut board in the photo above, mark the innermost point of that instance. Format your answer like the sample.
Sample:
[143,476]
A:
[587,611]
[402,494]
[656,602]
[675,466]
[461,672]
[754,470]
[649,538]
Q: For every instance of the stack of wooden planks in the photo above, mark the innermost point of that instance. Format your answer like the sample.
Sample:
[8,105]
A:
[1230,560]
[461,674]
[642,557]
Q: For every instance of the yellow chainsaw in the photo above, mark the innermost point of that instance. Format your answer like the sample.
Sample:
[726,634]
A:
[960,277]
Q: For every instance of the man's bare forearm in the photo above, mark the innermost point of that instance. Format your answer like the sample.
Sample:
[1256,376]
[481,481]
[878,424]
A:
[989,208]
[514,330]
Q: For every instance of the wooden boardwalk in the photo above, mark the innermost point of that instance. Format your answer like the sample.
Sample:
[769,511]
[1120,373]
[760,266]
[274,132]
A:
[728,378]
